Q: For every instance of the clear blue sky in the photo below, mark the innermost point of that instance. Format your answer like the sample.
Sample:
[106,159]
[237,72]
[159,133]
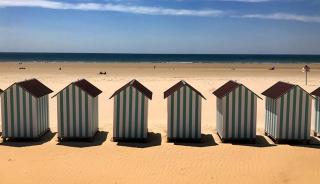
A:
[161,26]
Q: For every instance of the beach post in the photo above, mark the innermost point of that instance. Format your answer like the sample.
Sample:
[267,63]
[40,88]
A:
[306,69]
[288,112]
[184,112]
[316,94]
[236,114]
[130,117]
[25,110]
[77,110]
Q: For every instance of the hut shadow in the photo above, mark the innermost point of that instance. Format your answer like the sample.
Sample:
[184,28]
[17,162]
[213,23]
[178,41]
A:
[313,143]
[206,141]
[260,142]
[154,139]
[97,140]
[21,142]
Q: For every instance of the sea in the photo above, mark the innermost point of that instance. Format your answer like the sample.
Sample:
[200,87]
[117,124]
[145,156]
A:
[156,58]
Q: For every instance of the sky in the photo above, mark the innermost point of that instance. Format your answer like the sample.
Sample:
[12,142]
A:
[161,26]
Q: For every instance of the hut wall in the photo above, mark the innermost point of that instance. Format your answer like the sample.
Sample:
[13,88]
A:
[294,115]
[239,109]
[220,116]
[317,115]
[130,114]
[23,116]
[184,114]
[271,117]
[77,113]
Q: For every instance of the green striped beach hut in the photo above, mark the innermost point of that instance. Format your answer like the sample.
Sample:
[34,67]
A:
[288,112]
[184,112]
[77,110]
[25,110]
[130,118]
[236,114]
[316,94]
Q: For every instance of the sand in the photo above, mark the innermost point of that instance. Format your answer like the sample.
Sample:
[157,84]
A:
[103,161]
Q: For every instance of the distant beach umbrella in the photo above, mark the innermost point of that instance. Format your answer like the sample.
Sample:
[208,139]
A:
[306,69]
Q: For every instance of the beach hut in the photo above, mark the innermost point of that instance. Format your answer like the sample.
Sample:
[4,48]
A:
[130,119]
[25,110]
[184,112]
[236,113]
[316,94]
[77,110]
[288,112]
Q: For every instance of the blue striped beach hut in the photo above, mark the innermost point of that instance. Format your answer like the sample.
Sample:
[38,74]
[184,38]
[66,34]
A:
[184,112]
[77,110]
[236,114]
[288,112]
[130,118]
[316,94]
[25,110]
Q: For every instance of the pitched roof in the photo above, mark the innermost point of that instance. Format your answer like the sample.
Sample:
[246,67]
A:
[177,86]
[279,89]
[34,87]
[1,91]
[136,84]
[85,86]
[316,92]
[229,87]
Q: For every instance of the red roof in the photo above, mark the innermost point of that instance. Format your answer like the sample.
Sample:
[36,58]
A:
[278,89]
[229,87]
[316,92]
[86,86]
[136,84]
[1,91]
[34,87]
[177,86]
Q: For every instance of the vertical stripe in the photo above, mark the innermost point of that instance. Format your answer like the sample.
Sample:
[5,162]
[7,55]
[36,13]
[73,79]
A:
[290,114]
[83,113]
[187,115]
[136,112]
[123,122]
[139,114]
[79,93]
[227,117]
[86,115]
[130,113]
[233,114]
[239,112]
[249,117]
[193,114]
[77,112]
[24,111]
[246,113]
[243,103]
[117,120]
[126,114]
[59,113]
[5,115]
[145,118]
[285,111]
[197,116]
[296,114]
[19,112]
[169,122]
[67,112]
[181,113]
[252,115]
[184,111]
[74,111]
[174,126]
[236,114]
[35,115]
[303,115]
[306,136]
[178,105]
[142,115]
[133,109]
[191,107]
[12,113]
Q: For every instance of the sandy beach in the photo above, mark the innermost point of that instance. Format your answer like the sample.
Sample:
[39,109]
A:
[157,161]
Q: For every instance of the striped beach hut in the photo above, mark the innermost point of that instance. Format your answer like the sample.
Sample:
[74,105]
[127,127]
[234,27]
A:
[288,112]
[316,94]
[130,119]
[236,114]
[184,112]
[77,106]
[25,110]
